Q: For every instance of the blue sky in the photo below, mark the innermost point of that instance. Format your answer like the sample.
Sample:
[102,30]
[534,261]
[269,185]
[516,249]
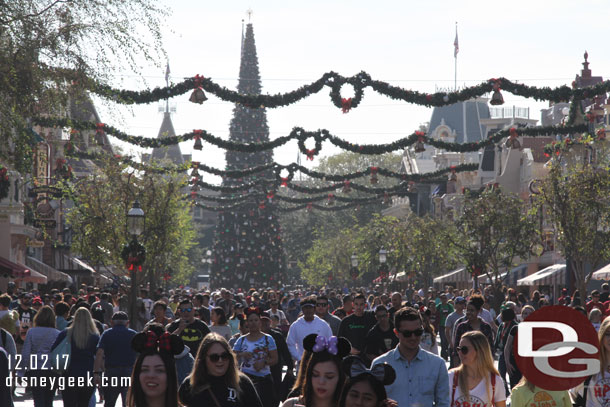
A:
[407,43]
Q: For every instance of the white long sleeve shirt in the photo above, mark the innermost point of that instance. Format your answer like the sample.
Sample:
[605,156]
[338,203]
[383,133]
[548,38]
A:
[300,329]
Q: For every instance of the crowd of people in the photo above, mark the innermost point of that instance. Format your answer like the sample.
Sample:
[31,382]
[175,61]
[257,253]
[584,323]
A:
[300,347]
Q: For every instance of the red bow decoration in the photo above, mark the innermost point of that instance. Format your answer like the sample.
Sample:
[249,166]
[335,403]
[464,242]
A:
[161,343]
[601,134]
[452,169]
[513,132]
[309,206]
[261,205]
[496,85]
[591,117]
[198,81]
[99,128]
[420,136]
[374,178]
[346,105]
[132,266]
[3,174]
[270,195]
[193,194]
[60,162]
[284,182]
[346,187]
[310,154]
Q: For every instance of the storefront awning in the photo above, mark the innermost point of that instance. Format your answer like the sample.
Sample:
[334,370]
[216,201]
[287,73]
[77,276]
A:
[554,275]
[511,277]
[20,272]
[602,274]
[459,275]
[76,267]
[50,272]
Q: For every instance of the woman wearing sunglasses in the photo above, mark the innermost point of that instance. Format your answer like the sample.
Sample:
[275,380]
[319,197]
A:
[216,380]
[476,381]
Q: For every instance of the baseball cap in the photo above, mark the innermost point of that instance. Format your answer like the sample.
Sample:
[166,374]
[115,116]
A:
[459,299]
[37,300]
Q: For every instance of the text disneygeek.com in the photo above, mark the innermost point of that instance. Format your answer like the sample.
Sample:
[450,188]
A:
[62,382]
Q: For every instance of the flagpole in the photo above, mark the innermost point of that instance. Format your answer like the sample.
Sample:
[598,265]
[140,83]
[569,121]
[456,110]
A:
[455,57]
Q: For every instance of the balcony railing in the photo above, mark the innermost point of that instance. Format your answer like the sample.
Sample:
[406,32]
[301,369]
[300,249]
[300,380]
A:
[509,112]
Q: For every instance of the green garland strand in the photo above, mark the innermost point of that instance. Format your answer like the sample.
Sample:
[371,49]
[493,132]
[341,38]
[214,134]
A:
[302,136]
[336,82]
[278,169]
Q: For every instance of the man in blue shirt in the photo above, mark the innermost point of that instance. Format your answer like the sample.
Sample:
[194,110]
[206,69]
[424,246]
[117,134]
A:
[114,352]
[421,377]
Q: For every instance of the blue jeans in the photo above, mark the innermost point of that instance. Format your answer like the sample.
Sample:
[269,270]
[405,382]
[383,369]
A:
[111,394]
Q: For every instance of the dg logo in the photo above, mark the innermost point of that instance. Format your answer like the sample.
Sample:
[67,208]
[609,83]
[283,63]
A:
[557,348]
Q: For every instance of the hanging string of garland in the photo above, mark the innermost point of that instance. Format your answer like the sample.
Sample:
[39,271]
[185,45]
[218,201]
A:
[336,81]
[302,136]
[558,147]
[279,169]
[308,206]
[345,185]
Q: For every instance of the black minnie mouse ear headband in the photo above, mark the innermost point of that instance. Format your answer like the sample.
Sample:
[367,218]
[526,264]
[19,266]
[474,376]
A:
[340,347]
[353,367]
[149,341]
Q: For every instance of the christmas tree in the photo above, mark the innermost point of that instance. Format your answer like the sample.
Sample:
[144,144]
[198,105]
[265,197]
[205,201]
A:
[248,247]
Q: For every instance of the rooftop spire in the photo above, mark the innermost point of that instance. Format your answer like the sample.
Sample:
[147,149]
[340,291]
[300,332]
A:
[585,72]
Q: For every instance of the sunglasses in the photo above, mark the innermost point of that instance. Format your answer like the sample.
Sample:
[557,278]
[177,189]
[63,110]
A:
[186,309]
[215,357]
[463,349]
[407,334]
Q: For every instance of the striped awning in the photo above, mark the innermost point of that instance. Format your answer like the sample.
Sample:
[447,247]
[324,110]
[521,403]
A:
[511,277]
[554,275]
[459,275]
[50,272]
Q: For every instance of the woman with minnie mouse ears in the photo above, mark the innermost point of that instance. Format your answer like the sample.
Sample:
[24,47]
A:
[153,380]
[366,387]
[324,377]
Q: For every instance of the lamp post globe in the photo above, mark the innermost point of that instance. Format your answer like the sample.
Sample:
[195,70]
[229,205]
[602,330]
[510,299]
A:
[135,219]
[383,255]
[354,260]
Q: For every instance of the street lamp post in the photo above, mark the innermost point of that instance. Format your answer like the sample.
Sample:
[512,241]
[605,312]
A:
[383,268]
[135,227]
[354,269]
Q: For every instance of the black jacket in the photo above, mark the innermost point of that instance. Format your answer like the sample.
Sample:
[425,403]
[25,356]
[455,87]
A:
[226,396]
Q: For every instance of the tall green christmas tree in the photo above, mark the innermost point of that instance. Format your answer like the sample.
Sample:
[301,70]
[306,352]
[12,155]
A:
[248,247]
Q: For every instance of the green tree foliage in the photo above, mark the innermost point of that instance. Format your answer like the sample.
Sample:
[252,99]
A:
[301,228]
[574,198]
[419,246]
[494,230]
[98,219]
[49,47]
